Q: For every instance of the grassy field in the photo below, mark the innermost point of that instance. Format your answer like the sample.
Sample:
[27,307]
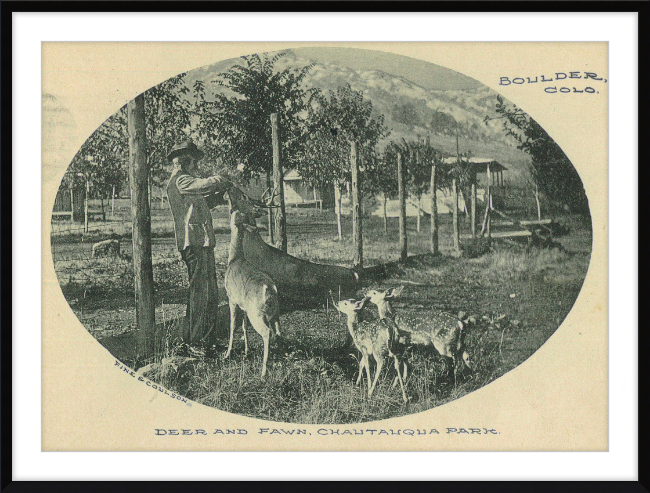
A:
[517,297]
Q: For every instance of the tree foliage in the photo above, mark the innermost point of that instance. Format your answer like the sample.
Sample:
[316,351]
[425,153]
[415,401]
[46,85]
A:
[167,117]
[551,169]
[236,128]
[342,117]
[100,161]
[103,158]
[419,156]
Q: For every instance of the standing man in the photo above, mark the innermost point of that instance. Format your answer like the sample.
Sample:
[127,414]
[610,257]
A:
[188,199]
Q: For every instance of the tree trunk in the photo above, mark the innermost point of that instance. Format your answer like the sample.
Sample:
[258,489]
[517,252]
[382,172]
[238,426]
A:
[86,207]
[150,188]
[402,209]
[101,202]
[337,206]
[269,214]
[141,219]
[419,212]
[278,177]
[539,209]
[385,215]
[113,202]
[434,212]
[357,221]
[454,193]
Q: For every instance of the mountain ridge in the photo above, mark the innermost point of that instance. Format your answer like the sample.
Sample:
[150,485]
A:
[410,110]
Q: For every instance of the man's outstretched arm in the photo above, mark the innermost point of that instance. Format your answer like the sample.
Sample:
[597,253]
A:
[190,185]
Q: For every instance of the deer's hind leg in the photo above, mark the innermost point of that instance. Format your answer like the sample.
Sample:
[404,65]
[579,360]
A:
[244,325]
[234,312]
[401,382]
[405,371]
[380,364]
[264,330]
[367,367]
[362,364]
[465,358]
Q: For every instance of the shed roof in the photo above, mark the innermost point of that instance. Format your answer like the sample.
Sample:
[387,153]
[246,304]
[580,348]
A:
[480,164]
[292,175]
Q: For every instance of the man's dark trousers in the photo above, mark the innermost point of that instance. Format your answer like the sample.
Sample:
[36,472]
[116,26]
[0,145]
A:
[203,303]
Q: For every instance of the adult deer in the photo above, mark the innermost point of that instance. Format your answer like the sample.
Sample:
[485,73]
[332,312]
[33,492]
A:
[371,338]
[441,330]
[250,291]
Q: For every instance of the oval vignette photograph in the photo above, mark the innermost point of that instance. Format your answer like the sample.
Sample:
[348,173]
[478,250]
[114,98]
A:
[319,235]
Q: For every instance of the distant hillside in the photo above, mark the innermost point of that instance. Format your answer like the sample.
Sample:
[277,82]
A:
[410,109]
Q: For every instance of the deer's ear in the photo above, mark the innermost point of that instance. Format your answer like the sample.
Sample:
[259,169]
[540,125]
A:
[359,304]
[396,292]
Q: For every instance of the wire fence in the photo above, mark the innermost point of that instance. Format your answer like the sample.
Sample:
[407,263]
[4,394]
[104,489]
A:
[312,235]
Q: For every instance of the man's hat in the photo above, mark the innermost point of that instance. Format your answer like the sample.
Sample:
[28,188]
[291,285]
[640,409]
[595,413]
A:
[185,147]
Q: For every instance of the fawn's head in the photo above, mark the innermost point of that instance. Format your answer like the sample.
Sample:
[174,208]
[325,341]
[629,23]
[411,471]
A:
[377,297]
[350,307]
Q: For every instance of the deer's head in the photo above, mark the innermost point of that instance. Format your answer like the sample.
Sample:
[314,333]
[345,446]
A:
[349,307]
[377,297]
[249,209]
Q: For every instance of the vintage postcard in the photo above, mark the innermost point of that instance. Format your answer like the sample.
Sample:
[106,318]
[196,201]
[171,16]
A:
[325,246]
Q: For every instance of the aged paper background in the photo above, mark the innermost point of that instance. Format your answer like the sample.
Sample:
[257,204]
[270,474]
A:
[556,400]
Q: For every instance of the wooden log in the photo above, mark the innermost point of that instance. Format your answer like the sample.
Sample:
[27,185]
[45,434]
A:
[504,234]
[402,208]
[357,225]
[278,177]
[141,219]
[514,222]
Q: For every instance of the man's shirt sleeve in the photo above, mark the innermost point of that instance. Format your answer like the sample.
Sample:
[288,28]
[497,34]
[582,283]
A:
[190,185]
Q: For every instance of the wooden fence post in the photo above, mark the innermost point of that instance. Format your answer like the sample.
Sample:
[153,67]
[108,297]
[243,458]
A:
[278,177]
[454,193]
[488,202]
[402,208]
[434,211]
[385,215]
[338,197]
[86,206]
[473,217]
[269,215]
[356,208]
[141,218]
[71,203]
